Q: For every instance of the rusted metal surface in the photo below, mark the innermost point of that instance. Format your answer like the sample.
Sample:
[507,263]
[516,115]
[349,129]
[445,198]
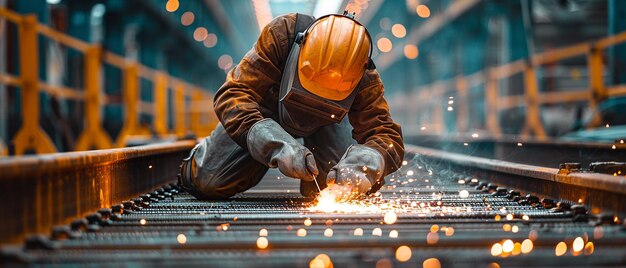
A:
[549,153]
[439,230]
[600,191]
[40,191]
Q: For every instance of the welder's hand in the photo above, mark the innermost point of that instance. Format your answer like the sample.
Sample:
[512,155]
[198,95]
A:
[359,168]
[271,145]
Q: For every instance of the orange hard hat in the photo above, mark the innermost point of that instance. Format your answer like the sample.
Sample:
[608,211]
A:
[334,55]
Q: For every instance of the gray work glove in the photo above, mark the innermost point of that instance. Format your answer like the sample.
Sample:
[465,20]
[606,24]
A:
[271,145]
[358,170]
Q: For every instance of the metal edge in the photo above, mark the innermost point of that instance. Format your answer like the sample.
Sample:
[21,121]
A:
[609,183]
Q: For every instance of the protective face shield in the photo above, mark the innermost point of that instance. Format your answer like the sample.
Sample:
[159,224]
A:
[324,67]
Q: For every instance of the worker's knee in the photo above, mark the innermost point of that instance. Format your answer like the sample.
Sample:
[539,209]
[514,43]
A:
[213,186]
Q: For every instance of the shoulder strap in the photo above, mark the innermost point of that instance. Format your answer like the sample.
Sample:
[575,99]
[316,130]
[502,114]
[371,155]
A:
[302,22]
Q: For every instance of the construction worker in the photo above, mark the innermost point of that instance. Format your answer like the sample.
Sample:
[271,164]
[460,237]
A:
[303,78]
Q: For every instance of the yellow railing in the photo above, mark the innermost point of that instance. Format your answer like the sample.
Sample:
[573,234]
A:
[188,117]
[423,100]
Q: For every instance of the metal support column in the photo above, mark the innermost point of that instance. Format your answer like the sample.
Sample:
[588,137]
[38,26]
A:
[30,137]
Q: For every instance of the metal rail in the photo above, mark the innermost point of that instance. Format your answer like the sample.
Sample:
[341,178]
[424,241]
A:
[41,191]
[447,214]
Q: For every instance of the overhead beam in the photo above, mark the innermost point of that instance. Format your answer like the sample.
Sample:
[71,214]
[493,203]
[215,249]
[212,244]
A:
[426,30]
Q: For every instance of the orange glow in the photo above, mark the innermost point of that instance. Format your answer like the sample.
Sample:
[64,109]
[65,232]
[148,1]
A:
[403,253]
[171,5]
[210,40]
[200,34]
[434,228]
[187,18]
[423,11]
[560,249]
[377,232]
[532,235]
[384,44]
[589,248]
[432,238]
[507,246]
[398,30]
[517,249]
[393,234]
[308,222]
[390,217]
[358,232]
[578,244]
[384,263]
[301,232]
[493,265]
[323,259]
[449,231]
[411,52]
[527,246]
[181,238]
[225,62]
[496,249]
[431,263]
[506,227]
[262,243]
[328,232]
[263,232]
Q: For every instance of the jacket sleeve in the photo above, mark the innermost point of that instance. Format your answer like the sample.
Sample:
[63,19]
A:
[372,123]
[237,102]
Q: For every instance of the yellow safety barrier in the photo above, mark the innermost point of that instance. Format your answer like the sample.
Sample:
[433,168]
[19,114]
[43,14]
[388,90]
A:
[426,97]
[193,116]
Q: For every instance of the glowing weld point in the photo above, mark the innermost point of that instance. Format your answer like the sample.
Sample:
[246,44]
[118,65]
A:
[450,109]
[308,222]
[578,244]
[526,218]
[301,232]
[181,238]
[262,243]
[613,147]
[142,221]
[377,232]
[332,116]
[527,246]
[403,253]
[390,217]
[463,193]
[393,234]
[474,135]
[496,249]
[410,173]
[519,144]
[507,246]
[358,232]
[263,232]
[328,232]
[561,249]
[423,128]
[431,263]
[404,163]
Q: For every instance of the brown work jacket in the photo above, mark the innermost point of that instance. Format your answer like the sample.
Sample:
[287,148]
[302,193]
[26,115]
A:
[250,93]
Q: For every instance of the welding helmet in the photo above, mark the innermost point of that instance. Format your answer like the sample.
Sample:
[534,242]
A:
[323,69]
[334,54]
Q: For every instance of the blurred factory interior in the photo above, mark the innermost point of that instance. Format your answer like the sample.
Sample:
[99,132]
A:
[96,74]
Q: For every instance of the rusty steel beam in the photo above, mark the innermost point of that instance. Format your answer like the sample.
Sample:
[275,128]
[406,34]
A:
[45,190]
[602,192]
